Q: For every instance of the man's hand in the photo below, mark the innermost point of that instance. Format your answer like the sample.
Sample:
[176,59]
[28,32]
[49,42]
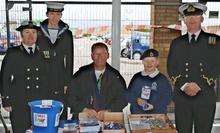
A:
[191,89]
[90,112]
[9,109]
[101,114]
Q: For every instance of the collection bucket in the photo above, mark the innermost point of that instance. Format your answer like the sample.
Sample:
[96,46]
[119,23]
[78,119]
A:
[45,115]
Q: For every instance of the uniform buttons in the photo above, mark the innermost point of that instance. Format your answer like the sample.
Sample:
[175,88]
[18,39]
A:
[56,92]
[37,86]
[37,78]
[186,76]
[37,69]
[28,69]
[187,64]
[187,69]
[201,69]
[200,64]
[28,87]
[28,78]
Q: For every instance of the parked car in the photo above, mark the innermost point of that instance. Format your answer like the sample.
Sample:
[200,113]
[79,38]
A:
[14,41]
[135,48]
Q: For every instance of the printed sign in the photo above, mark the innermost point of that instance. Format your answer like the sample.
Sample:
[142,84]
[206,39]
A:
[57,119]
[40,120]
[47,103]
[145,94]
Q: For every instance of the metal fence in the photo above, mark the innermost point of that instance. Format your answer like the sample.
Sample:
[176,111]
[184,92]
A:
[88,26]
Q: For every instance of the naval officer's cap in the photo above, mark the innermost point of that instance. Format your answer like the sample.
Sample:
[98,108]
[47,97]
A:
[192,9]
[54,7]
[150,53]
[27,25]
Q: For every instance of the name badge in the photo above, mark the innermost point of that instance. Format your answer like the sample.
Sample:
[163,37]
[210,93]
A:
[145,93]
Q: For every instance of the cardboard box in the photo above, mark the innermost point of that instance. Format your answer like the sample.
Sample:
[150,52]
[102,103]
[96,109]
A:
[137,127]
[113,117]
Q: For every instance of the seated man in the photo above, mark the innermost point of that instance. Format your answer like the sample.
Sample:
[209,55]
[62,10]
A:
[97,87]
[149,91]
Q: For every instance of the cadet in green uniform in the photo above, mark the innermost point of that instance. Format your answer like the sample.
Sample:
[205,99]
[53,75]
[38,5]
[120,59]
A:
[23,77]
[56,42]
[193,65]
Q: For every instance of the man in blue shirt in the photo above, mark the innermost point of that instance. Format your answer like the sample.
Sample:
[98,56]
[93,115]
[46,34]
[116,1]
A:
[149,90]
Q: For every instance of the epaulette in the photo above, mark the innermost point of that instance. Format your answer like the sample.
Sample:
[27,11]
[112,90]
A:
[13,49]
[21,47]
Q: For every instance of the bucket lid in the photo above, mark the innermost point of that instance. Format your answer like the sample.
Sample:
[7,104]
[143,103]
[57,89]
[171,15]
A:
[45,103]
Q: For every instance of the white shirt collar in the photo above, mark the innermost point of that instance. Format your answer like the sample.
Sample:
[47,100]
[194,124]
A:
[53,34]
[26,47]
[99,72]
[152,75]
[196,34]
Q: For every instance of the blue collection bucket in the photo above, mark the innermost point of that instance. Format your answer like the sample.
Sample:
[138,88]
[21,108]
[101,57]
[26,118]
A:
[45,115]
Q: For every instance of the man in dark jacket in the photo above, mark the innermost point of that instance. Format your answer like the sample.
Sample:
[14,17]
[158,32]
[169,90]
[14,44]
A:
[56,41]
[193,65]
[97,87]
[23,77]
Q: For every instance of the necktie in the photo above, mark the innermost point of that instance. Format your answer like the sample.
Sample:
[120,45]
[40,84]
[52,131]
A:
[30,50]
[99,81]
[193,39]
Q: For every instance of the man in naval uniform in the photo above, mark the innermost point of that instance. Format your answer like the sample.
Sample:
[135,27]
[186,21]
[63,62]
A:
[149,91]
[23,77]
[97,87]
[193,65]
[56,41]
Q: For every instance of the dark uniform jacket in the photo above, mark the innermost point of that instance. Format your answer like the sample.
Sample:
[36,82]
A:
[23,79]
[84,93]
[59,58]
[197,62]
[160,94]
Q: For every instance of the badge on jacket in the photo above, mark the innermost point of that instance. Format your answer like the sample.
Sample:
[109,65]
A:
[46,54]
[154,86]
[212,40]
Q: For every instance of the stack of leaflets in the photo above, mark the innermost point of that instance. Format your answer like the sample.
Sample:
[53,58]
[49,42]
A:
[89,125]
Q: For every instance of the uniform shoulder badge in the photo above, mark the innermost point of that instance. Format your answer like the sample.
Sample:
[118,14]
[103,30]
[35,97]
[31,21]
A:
[212,40]
[46,54]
